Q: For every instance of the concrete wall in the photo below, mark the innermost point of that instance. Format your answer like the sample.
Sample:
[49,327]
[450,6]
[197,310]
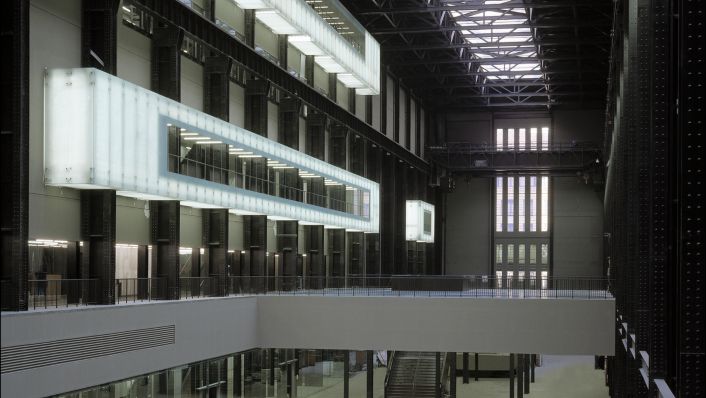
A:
[468,228]
[578,228]
[203,329]
[209,328]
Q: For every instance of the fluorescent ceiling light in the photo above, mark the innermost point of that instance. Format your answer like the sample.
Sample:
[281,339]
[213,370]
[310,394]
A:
[328,64]
[251,4]
[276,22]
[196,138]
[209,142]
[250,156]
[305,44]
[198,205]
[349,80]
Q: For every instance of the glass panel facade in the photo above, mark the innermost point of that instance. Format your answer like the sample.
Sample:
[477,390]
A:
[499,204]
[510,204]
[521,221]
[499,139]
[533,204]
[545,204]
[194,155]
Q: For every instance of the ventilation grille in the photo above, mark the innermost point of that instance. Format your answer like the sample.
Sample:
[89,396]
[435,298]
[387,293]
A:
[29,356]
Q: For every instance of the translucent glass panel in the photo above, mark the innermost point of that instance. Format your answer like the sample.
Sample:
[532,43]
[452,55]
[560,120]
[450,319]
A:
[511,139]
[521,139]
[104,132]
[545,138]
[521,253]
[510,254]
[510,204]
[533,139]
[533,204]
[499,139]
[545,204]
[498,254]
[533,254]
[545,254]
[521,198]
[420,221]
[498,204]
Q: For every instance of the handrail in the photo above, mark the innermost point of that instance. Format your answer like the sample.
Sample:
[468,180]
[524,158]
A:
[69,292]
[390,360]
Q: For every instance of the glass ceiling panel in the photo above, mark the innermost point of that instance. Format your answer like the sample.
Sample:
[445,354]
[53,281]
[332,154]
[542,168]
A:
[499,27]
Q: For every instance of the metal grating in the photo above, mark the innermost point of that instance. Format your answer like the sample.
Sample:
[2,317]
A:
[29,356]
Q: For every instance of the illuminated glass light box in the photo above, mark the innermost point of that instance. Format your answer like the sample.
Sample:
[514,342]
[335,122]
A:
[420,221]
[104,132]
[357,65]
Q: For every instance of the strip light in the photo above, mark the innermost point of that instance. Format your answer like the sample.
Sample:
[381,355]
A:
[277,24]
[305,44]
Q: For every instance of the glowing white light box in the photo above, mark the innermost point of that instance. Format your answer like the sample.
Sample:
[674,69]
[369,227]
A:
[420,221]
[312,35]
[103,132]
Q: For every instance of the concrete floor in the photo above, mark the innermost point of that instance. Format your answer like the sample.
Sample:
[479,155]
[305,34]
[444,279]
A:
[558,377]
[356,388]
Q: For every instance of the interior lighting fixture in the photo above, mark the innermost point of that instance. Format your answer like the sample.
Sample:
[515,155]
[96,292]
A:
[251,4]
[209,142]
[277,24]
[196,138]
[305,44]
[349,80]
[328,64]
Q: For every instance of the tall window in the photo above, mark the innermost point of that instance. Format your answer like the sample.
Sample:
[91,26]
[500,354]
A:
[499,254]
[510,254]
[521,140]
[545,254]
[545,204]
[545,138]
[511,139]
[533,204]
[521,204]
[521,253]
[510,204]
[533,139]
[499,139]
[533,254]
[498,204]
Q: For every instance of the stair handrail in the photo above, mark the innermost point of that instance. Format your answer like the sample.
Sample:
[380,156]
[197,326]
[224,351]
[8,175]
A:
[445,372]
[390,360]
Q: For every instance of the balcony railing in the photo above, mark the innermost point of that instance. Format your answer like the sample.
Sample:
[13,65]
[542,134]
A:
[80,292]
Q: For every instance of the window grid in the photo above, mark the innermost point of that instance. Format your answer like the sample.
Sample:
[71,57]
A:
[510,204]
[521,221]
[499,204]
[511,139]
[499,139]
[533,204]
[545,204]
[533,139]
[545,138]
[521,140]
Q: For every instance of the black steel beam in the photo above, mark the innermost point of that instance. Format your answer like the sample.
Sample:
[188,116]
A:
[461,28]
[514,44]
[477,7]
[99,34]
[497,60]
[177,14]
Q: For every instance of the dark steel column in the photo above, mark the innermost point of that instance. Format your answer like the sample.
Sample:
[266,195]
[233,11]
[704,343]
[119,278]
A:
[338,146]
[526,372]
[99,32]
[255,243]
[249,17]
[289,109]
[511,374]
[215,241]
[164,220]
[370,373]
[369,109]
[256,92]
[332,86]
[98,234]
[166,61]
[520,377]
[316,268]
[216,86]
[142,272]
[337,255]
[14,155]
[476,370]
[465,368]
[282,50]
[316,135]
[309,69]
[387,214]
[346,373]
[287,234]
[452,375]
[396,110]
[351,101]
[533,359]
[408,120]
[356,253]
[400,218]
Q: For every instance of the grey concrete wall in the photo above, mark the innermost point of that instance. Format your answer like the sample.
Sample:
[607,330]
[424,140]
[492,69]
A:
[468,224]
[561,326]
[578,228]
[203,328]
[209,328]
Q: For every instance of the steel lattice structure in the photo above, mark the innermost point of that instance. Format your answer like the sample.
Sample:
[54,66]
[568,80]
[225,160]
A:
[479,53]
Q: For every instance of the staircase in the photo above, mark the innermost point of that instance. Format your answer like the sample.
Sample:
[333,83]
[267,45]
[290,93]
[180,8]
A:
[412,375]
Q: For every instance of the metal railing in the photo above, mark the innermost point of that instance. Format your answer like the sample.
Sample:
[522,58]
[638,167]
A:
[54,293]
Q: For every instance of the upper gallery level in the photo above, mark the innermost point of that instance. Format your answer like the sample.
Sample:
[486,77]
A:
[102,132]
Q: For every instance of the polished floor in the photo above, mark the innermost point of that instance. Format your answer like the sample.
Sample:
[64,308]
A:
[558,377]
